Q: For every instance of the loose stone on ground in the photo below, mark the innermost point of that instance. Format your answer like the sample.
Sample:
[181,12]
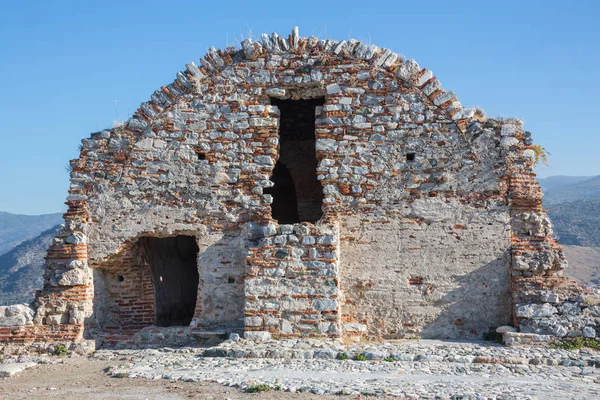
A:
[423,369]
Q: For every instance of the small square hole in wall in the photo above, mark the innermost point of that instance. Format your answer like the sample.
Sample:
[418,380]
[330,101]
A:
[201,156]
[410,156]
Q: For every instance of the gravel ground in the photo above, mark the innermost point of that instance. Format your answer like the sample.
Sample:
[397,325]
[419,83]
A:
[313,370]
[79,378]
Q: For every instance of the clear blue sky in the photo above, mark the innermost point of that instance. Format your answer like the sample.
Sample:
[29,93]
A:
[64,63]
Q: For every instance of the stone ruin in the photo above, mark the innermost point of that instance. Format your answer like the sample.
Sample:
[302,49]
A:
[299,187]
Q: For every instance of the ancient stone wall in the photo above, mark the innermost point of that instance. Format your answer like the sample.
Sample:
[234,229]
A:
[292,286]
[202,165]
[545,303]
[427,275]
[221,294]
[428,207]
[123,296]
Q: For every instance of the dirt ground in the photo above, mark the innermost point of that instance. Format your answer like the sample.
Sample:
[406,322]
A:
[82,379]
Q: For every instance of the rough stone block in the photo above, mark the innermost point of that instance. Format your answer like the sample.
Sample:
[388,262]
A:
[325,304]
[57,319]
[16,315]
[253,321]
[73,277]
[334,88]
[536,310]
[259,336]
[504,329]
[589,332]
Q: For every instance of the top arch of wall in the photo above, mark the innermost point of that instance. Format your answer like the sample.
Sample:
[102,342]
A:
[407,71]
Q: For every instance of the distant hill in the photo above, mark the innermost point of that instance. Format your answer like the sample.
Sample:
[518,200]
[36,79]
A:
[22,268]
[557,190]
[577,223]
[15,228]
[558,181]
[573,204]
[584,264]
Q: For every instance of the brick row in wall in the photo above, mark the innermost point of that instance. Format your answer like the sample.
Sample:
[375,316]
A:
[544,301]
[64,332]
[125,294]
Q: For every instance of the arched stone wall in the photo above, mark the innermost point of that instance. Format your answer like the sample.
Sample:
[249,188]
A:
[423,209]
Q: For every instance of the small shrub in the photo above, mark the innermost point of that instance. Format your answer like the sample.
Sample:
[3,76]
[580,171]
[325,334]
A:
[541,154]
[60,350]
[261,387]
[342,356]
[479,114]
[389,359]
[121,375]
[493,336]
[360,357]
[576,344]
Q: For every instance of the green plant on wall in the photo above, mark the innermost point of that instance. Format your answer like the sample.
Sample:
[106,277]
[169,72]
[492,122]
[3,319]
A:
[541,154]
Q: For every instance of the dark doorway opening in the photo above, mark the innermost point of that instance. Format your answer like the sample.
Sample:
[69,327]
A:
[285,202]
[173,263]
[297,193]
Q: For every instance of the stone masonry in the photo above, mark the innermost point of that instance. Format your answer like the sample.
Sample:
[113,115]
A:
[428,219]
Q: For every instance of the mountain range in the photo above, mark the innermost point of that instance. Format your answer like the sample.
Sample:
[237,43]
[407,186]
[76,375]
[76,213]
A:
[577,222]
[573,205]
[557,181]
[22,268]
[24,240]
[16,228]
[559,189]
